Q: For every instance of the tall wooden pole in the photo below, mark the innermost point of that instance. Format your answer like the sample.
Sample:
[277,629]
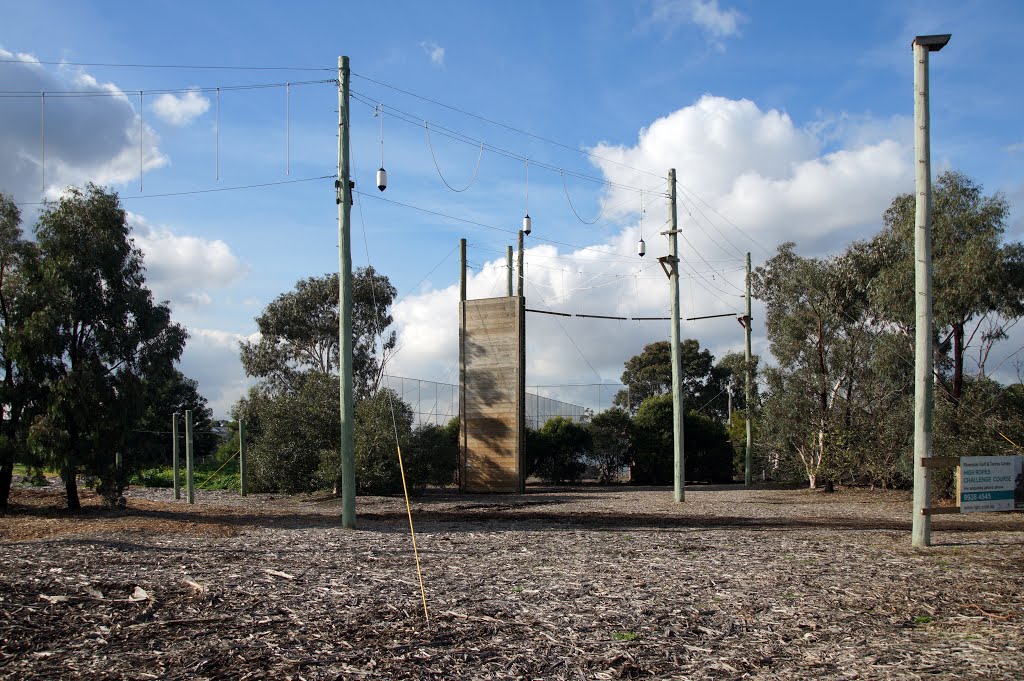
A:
[678,458]
[176,464]
[508,266]
[190,485]
[243,463]
[344,199]
[921,530]
[519,287]
[463,433]
[748,391]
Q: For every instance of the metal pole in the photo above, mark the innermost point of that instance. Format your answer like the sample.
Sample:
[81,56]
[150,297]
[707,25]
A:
[519,289]
[679,467]
[344,199]
[242,459]
[176,464]
[190,489]
[508,266]
[923,399]
[728,411]
[747,391]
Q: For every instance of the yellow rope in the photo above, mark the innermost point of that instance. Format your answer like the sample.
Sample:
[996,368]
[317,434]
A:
[412,531]
[219,469]
[1009,440]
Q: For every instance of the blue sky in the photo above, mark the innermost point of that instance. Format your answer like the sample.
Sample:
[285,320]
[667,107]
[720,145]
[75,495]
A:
[784,120]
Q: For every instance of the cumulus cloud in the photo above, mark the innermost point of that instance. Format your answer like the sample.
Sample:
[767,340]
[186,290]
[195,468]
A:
[716,22]
[87,139]
[182,268]
[821,184]
[434,51]
[211,357]
[179,110]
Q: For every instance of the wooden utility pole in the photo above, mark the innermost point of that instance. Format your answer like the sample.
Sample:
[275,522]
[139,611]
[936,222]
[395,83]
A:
[921,530]
[176,464]
[508,266]
[190,488]
[243,462]
[679,462]
[519,288]
[344,200]
[463,432]
[748,390]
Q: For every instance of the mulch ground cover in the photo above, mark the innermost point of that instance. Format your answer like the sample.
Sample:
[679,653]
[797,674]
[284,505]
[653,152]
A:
[578,583]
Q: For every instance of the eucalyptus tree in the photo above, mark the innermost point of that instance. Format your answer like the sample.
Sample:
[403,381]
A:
[99,335]
[978,277]
[299,333]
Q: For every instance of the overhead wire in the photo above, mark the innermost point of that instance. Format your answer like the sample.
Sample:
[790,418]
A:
[118,92]
[32,62]
[505,126]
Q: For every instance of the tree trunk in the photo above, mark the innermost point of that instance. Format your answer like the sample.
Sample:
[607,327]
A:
[71,485]
[6,476]
[958,363]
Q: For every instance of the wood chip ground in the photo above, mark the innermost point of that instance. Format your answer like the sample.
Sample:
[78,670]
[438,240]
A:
[581,583]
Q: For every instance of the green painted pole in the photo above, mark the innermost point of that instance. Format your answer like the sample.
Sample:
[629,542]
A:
[346,405]
[678,458]
[242,460]
[176,463]
[921,527]
[508,266]
[748,392]
[190,485]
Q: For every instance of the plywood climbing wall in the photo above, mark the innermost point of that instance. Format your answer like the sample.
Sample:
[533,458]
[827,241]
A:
[492,394]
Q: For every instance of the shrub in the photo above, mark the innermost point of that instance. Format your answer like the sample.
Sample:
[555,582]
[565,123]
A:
[555,453]
[708,453]
[433,457]
[612,437]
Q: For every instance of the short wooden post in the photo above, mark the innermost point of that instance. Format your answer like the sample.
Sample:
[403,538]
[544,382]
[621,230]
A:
[242,458]
[176,464]
[190,489]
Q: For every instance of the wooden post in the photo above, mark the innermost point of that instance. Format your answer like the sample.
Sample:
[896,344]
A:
[346,403]
[242,459]
[519,288]
[190,489]
[679,461]
[174,456]
[463,440]
[923,362]
[508,266]
[748,392]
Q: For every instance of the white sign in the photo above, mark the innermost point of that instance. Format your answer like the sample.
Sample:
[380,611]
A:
[988,483]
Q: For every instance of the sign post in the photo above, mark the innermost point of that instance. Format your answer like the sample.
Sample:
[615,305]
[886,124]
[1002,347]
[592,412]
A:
[989,483]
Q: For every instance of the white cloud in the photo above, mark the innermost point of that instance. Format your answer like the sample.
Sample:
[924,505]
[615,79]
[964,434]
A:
[212,357]
[434,51]
[820,184]
[87,139]
[181,268]
[716,22]
[180,110]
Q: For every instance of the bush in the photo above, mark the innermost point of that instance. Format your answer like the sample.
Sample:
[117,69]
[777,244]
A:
[154,477]
[433,457]
[709,456]
[556,452]
[377,470]
[612,437]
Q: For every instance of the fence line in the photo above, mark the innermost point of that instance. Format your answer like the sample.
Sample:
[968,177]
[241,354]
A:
[437,403]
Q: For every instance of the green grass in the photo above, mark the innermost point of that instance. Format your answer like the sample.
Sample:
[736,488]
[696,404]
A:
[227,478]
[625,635]
[922,619]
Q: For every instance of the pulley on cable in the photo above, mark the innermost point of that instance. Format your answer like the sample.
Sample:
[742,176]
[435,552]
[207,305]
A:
[527,222]
[641,247]
[382,175]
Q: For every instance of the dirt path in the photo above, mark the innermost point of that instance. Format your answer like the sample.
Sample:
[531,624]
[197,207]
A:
[581,583]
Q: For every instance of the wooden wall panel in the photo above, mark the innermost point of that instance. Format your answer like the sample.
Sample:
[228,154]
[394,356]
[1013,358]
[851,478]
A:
[491,351]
